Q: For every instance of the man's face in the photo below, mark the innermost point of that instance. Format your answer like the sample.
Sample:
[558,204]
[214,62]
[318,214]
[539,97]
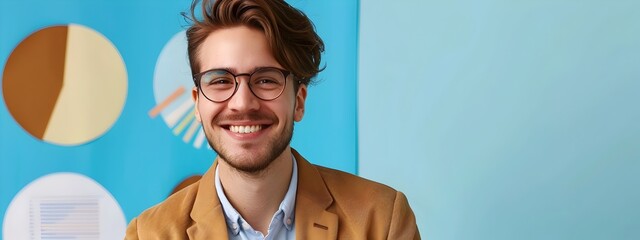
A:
[247,133]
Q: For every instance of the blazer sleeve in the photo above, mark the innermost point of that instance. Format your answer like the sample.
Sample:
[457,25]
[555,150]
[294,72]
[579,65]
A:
[403,222]
[132,230]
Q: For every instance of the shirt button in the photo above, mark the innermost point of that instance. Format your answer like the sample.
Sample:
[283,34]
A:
[288,221]
[234,226]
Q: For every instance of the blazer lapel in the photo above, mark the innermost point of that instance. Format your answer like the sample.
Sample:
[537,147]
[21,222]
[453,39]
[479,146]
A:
[312,220]
[207,213]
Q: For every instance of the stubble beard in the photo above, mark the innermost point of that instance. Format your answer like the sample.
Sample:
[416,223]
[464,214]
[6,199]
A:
[254,162]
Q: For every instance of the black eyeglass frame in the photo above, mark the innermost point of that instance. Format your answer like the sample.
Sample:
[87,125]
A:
[197,79]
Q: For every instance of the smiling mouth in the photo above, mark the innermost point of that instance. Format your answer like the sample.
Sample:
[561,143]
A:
[245,129]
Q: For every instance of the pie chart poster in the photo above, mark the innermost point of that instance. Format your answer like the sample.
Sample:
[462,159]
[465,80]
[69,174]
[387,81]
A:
[99,91]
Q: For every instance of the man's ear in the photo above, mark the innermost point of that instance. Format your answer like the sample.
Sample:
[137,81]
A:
[194,96]
[301,96]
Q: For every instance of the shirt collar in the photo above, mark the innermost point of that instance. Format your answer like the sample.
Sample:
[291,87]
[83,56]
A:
[287,205]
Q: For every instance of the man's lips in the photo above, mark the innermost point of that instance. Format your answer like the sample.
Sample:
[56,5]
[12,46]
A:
[245,132]
[245,124]
[245,128]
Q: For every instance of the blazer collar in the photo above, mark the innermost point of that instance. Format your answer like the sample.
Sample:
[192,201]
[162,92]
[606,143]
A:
[207,214]
[312,220]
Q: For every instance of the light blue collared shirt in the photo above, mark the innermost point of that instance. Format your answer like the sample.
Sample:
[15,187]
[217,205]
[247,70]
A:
[282,223]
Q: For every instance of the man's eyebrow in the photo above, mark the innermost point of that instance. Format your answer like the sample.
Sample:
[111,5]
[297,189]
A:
[229,69]
[233,70]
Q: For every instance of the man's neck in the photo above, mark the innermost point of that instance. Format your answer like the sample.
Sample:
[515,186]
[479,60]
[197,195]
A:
[257,196]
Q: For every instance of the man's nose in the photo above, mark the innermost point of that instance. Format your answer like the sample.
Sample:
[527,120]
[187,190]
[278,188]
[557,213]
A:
[244,100]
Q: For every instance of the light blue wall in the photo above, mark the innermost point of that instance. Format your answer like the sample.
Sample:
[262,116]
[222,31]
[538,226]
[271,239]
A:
[504,119]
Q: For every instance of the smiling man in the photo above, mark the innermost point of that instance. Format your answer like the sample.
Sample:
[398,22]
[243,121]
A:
[252,61]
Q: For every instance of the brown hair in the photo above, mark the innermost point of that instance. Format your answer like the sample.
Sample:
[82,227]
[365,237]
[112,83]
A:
[290,34]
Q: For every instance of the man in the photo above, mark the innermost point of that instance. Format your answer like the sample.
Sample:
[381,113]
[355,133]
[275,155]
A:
[252,61]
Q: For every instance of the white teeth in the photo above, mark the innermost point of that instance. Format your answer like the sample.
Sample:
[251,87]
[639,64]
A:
[245,129]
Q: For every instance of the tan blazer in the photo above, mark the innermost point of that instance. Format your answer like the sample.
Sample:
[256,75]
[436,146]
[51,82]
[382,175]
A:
[330,204]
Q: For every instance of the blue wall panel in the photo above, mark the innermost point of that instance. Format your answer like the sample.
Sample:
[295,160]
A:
[139,160]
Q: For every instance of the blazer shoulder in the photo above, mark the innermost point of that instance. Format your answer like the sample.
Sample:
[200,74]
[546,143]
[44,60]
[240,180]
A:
[343,186]
[169,215]
[368,208]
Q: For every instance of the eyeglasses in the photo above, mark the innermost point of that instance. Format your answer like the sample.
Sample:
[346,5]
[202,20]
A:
[219,85]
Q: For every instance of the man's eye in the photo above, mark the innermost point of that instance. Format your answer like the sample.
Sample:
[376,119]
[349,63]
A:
[220,81]
[266,81]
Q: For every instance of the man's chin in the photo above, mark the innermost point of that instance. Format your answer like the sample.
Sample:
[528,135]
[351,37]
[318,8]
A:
[247,158]
[247,164]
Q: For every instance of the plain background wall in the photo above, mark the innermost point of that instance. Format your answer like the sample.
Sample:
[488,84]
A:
[504,119]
